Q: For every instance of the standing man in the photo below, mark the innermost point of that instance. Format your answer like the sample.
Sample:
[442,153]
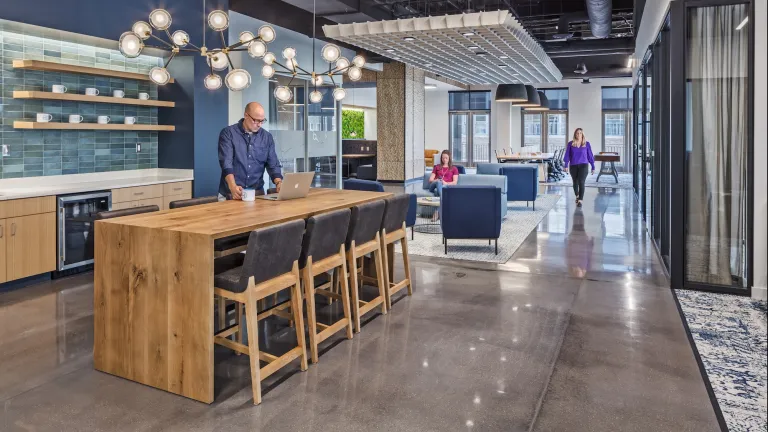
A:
[245,150]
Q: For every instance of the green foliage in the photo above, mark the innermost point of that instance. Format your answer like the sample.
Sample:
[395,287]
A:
[352,121]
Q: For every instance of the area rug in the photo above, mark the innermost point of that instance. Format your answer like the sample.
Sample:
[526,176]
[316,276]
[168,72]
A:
[625,181]
[730,336]
[518,224]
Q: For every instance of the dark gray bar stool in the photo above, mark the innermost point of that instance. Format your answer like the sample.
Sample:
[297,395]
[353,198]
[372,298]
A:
[223,246]
[393,230]
[270,265]
[192,202]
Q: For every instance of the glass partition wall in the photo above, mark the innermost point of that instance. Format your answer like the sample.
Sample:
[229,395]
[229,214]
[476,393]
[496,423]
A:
[692,157]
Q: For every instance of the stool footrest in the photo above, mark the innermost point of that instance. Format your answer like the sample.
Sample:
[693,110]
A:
[328,332]
[279,362]
[243,349]
[229,331]
[369,306]
[328,294]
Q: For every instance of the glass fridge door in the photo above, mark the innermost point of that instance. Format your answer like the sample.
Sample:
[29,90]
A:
[76,227]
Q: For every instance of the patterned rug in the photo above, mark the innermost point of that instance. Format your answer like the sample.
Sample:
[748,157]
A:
[730,335]
[518,224]
[625,181]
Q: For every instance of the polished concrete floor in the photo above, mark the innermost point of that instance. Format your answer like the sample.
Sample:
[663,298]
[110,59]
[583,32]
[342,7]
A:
[577,332]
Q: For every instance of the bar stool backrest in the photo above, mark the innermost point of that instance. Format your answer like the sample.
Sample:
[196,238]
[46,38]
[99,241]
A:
[324,235]
[192,202]
[271,252]
[125,212]
[395,212]
[365,222]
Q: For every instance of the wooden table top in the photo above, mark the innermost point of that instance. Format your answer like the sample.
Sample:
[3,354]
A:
[358,156]
[607,158]
[539,156]
[428,201]
[227,218]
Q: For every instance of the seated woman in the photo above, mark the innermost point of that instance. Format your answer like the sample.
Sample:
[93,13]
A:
[444,174]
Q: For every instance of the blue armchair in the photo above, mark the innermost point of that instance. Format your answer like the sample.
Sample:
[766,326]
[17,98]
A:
[460,219]
[363,185]
[522,179]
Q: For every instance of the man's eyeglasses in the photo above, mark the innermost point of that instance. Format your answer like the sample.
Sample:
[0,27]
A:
[257,121]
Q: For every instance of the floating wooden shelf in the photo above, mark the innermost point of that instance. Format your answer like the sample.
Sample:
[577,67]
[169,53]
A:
[21,94]
[59,67]
[93,126]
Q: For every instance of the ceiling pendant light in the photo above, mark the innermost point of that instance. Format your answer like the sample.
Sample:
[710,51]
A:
[238,79]
[267,71]
[269,58]
[283,94]
[511,93]
[318,81]
[339,94]
[355,73]
[212,82]
[131,44]
[289,53]
[358,61]
[544,106]
[342,63]
[316,96]
[330,53]
[532,98]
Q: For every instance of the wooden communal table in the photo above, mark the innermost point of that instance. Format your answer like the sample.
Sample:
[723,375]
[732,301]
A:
[153,285]
[610,169]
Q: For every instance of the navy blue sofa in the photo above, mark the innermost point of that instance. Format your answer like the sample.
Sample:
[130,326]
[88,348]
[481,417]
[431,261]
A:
[460,219]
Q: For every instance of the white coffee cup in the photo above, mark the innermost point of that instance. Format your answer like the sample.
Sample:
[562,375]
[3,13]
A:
[44,118]
[144,96]
[130,120]
[74,118]
[103,119]
[58,88]
[249,194]
[118,93]
[92,91]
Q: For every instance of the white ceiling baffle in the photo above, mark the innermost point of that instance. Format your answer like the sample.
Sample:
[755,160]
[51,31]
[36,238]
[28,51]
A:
[474,48]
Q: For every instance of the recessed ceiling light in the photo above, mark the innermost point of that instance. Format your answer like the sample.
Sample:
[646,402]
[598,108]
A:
[390,50]
[468,33]
[427,64]
[429,86]
[409,38]
[472,47]
[503,57]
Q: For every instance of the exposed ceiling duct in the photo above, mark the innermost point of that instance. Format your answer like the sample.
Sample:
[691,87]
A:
[600,19]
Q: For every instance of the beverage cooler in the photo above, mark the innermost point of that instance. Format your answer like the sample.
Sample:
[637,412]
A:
[75,227]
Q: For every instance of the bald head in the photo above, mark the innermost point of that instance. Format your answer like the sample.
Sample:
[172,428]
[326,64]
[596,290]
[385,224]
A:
[253,117]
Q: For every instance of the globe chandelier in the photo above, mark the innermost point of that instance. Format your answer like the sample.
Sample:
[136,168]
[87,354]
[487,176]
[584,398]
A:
[337,66]
[132,43]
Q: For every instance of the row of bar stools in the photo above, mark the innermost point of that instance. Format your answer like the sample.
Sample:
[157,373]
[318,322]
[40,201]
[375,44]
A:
[270,265]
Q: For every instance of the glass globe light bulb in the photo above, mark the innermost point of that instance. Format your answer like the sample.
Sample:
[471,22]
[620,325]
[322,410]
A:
[283,94]
[238,79]
[160,19]
[339,93]
[218,20]
[293,64]
[318,80]
[355,73]
[130,44]
[246,36]
[142,29]
[267,33]
[289,53]
[330,53]
[257,49]
[159,75]
[212,82]
[342,63]
[269,58]
[180,38]
[267,71]
[316,96]
[218,61]
[358,61]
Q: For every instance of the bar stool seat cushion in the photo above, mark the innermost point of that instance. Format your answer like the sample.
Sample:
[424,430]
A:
[227,271]
[192,202]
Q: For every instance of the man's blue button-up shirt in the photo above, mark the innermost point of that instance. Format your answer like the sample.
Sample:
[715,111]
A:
[246,156]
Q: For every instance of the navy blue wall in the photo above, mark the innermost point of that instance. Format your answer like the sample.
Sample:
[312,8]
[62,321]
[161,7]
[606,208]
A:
[196,134]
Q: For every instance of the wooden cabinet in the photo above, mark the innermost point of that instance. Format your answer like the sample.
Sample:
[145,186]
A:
[179,188]
[137,193]
[3,232]
[159,195]
[30,245]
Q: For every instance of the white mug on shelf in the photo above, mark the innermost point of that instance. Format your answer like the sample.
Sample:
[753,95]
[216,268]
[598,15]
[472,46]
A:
[118,93]
[130,120]
[102,119]
[144,96]
[92,91]
[58,88]
[74,118]
[44,118]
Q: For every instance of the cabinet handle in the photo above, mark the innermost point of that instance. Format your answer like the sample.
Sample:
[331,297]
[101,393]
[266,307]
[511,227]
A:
[138,193]
[177,188]
[13,229]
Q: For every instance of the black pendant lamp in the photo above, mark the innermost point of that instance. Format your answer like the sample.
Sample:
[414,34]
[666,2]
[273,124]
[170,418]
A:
[533,99]
[544,103]
[511,93]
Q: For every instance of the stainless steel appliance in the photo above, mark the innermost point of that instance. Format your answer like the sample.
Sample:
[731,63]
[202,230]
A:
[75,217]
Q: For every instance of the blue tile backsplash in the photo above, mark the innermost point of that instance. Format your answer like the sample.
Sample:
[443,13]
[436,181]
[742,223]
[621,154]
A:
[55,152]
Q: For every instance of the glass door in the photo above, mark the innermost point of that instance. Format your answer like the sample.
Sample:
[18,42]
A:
[649,147]
[460,137]
[470,137]
[481,137]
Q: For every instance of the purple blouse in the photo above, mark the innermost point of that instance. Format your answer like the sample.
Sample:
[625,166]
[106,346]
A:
[579,155]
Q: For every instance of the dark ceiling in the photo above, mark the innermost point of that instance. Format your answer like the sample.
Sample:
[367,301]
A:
[603,57]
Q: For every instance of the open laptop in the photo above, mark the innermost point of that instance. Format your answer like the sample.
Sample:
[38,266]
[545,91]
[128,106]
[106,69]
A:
[295,185]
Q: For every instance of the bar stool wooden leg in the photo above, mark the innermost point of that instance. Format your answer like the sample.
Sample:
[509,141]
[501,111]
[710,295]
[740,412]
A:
[240,324]
[298,317]
[222,313]
[380,281]
[309,295]
[253,346]
[406,260]
[345,292]
[385,262]
[354,285]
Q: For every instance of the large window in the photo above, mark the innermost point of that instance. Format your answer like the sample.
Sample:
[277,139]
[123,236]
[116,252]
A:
[470,126]
[617,118]
[547,131]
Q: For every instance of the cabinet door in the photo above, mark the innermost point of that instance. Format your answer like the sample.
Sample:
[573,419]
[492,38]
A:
[3,236]
[31,245]
[154,201]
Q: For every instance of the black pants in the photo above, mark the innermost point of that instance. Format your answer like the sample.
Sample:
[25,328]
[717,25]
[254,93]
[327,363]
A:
[579,175]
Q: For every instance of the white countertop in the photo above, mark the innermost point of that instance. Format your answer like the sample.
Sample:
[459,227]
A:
[28,187]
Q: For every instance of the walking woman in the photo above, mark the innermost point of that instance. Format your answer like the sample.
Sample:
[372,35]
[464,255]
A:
[579,156]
